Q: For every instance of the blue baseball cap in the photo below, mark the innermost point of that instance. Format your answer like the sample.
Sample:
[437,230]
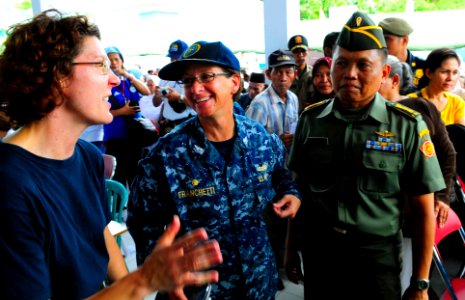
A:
[214,53]
[113,49]
[176,49]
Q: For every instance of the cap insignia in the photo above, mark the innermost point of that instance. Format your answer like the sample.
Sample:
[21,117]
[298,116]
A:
[194,48]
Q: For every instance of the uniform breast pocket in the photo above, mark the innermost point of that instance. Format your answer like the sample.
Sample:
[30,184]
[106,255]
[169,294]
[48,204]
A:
[318,149]
[318,162]
[382,171]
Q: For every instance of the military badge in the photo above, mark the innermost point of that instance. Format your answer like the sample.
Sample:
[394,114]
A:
[427,148]
[384,143]
[385,133]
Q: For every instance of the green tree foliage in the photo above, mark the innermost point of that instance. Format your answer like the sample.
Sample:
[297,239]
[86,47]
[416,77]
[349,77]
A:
[24,5]
[310,9]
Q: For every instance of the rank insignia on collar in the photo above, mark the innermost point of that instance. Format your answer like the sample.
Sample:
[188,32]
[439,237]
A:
[385,133]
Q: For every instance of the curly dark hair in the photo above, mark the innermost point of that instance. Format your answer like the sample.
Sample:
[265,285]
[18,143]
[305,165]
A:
[37,54]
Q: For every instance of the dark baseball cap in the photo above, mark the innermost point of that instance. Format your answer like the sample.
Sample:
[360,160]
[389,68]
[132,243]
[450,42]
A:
[281,57]
[361,33]
[205,52]
[176,49]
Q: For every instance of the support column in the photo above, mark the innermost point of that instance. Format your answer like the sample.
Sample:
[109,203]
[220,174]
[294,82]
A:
[40,5]
[281,17]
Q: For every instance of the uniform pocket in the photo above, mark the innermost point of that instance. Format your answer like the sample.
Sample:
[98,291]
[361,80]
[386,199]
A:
[382,171]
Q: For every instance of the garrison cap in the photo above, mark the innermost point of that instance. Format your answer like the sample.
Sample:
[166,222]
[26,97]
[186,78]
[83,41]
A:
[360,33]
[396,26]
[297,41]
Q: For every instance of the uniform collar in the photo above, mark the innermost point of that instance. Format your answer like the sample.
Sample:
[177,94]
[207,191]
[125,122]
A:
[198,143]
[377,110]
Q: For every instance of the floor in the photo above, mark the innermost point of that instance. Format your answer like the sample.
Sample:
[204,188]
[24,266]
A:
[291,291]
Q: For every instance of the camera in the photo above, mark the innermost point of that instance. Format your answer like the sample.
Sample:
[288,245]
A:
[164,91]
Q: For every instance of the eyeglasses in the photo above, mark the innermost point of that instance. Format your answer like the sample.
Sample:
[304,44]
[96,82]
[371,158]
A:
[201,78]
[105,65]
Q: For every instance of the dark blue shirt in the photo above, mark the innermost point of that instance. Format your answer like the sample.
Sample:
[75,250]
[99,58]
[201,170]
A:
[52,217]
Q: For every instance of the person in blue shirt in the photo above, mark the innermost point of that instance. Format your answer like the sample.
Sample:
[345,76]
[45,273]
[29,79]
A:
[55,79]
[217,170]
[119,140]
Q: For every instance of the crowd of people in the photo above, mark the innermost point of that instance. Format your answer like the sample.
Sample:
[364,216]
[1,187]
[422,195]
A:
[343,166]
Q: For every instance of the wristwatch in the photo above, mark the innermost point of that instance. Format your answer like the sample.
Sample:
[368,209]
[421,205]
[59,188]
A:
[181,99]
[419,284]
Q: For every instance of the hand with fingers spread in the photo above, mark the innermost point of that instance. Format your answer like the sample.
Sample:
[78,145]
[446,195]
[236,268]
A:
[173,265]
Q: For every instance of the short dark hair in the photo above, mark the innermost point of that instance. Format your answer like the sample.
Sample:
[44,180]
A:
[330,40]
[437,56]
[36,56]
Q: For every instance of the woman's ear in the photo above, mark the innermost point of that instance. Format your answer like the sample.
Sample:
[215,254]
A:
[428,73]
[236,83]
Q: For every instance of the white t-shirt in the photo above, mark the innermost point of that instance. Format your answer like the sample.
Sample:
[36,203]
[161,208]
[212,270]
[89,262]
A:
[148,110]
[93,133]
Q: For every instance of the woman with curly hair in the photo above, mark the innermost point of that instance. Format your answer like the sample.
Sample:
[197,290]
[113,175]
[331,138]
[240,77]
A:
[55,79]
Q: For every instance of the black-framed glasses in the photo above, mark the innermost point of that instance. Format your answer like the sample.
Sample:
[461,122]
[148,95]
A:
[201,78]
[105,65]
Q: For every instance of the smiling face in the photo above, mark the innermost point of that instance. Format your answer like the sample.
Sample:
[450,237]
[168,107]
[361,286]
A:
[322,79]
[357,75]
[87,89]
[212,98]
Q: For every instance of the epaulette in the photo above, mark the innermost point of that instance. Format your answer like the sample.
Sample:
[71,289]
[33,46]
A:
[405,110]
[316,104]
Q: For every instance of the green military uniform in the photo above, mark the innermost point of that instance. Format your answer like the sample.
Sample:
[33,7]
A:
[355,167]
[302,84]
[347,164]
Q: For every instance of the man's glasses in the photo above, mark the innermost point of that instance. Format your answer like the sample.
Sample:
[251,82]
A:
[201,78]
[105,65]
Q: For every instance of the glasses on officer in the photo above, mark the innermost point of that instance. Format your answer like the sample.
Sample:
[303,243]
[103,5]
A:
[104,65]
[201,78]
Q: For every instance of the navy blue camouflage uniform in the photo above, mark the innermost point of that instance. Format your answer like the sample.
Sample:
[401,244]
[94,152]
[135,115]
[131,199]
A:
[184,174]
